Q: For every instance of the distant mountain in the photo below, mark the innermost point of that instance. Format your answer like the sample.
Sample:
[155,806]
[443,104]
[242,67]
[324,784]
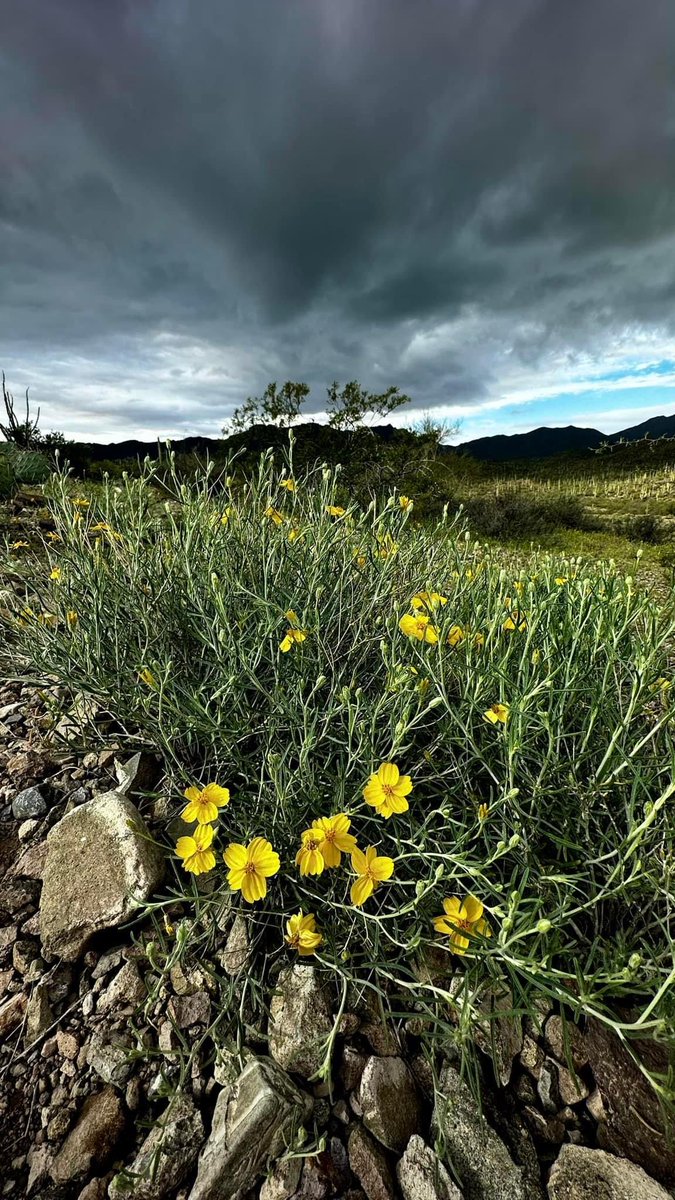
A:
[569,439]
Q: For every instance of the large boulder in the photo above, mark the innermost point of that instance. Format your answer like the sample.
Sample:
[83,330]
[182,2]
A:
[253,1122]
[582,1174]
[479,1157]
[100,863]
[166,1156]
[634,1118]
[422,1176]
[390,1103]
[300,1021]
[91,1143]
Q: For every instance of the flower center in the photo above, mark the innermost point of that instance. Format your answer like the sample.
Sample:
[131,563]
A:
[388,790]
[464,923]
[311,844]
[250,868]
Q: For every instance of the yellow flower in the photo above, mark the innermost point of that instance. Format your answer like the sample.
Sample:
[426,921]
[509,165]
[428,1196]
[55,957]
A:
[250,867]
[360,556]
[147,676]
[483,812]
[561,579]
[371,870]
[195,850]
[536,657]
[72,618]
[50,620]
[420,627]
[56,574]
[225,515]
[497,713]
[293,638]
[53,537]
[517,620]
[80,502]
[406,503]
[204,803]
[77,518]
[429,601]
[518,586]
[334,510]
[386,790]
[302,934]
[288,484]
[20,546]
[387,547]
[309,858]
[294,533]
[336,839]
[461,920]
[456,635]
[274,515]
[478,640]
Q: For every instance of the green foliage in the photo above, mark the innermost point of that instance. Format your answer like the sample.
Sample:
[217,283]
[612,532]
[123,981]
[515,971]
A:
[278,405]
[517,516]
[348,407]
[572,854]
[7,476]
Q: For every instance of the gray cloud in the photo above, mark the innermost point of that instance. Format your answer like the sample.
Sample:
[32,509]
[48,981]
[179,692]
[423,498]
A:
[198,198]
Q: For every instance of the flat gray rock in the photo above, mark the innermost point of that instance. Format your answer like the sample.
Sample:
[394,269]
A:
[300,1020]
[582,1174]
[422,1176]
[390,1103]
[99,865]
[166,1156]
[253,1122]
[479,1157]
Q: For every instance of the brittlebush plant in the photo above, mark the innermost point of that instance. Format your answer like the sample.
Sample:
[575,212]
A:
[420,758]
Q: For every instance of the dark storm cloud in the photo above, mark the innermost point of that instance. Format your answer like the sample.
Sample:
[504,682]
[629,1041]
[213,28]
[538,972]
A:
[306,185]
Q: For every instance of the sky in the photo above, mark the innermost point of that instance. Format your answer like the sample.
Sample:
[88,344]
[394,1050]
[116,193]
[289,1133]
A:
[471,199]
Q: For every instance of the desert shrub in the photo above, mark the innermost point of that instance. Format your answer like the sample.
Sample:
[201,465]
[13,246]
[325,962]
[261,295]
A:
[7,476]
[646,527]
[283,645]
[508,517]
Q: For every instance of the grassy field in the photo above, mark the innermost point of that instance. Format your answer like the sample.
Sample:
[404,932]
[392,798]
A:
[454,758]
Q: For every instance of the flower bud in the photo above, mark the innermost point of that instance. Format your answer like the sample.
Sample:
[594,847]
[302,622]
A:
[543,926]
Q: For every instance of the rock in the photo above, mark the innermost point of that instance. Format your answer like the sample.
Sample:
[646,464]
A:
[58,1125]
[237,951]
[547,1087]
[39,1159]
[480,1159]
[96,1189]
[253,1122]
[125,992]
[30,864]
[582,1174]
[12,1013]
[634,1119]
[108,1055]
[532,1056]
[565,1041]
[390,1102]
[97,867]
[166,1156]
[571,1087]
[300,1021]
[8,936]
[138,774]
[371,1166]
[595,1106]
[283,1180]
[500,1033]
[39,1014]
[92,1142]
[27,829]
[29,804]
[352,1064]
[422,1176]
[24,952]
[193,1009]
[67,1045]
